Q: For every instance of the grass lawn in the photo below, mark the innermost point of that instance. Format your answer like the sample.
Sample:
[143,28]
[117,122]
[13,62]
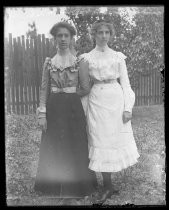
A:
[141,184]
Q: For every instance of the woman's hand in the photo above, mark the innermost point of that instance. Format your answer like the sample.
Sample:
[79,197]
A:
[126,116]
[42,123]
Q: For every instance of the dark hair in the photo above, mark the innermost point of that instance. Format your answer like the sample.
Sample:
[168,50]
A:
[66,25]
[99,23]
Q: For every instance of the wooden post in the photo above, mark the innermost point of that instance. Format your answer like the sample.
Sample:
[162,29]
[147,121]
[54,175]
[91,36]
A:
[147,89]
[13,79]
[7,76]
[140,87]
[27,79]
[36,70]
[137,93]
[161,91]
[17,75]
[21,78]
[52,49]
[40,64]
[25,74]
[153,91]
[155,85]
[47,48]
[43,49]
[10,68]
[152,85]
[31,77]
[143,86]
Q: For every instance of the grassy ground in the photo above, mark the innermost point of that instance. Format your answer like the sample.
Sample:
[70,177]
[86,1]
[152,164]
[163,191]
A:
[141,184]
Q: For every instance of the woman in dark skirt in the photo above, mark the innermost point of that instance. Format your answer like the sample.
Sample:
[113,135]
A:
[63,161]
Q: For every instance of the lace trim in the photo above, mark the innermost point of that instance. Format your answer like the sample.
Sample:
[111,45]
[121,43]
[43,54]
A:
[73,67]
[89,57]
[121,55]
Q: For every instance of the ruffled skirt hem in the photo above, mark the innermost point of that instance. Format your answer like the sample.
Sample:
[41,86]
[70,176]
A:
[112,160]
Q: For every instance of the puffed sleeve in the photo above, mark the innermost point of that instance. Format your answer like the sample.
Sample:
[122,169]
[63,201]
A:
[41,110]
[84,81]
[129,95]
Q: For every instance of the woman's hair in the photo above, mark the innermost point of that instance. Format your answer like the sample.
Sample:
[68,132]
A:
[96,25]
[69,27]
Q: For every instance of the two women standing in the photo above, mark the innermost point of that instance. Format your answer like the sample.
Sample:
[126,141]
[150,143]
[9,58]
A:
[64,168]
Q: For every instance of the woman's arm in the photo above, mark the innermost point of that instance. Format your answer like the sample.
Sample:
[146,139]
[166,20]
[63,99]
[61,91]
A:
[44,90]
[84,79]
[129,95]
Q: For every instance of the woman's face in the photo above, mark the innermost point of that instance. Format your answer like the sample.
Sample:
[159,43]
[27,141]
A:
[102,35]
[63,38]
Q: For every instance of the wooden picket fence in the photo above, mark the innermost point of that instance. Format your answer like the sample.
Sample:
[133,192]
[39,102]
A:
[23,71]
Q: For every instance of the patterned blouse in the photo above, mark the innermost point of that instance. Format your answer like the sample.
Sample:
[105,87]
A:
[62,72]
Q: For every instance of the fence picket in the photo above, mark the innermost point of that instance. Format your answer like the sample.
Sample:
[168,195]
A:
[31,70]
[35,69]
[160,87]
[13,79]
[17,73]
[25,75]
[7,76]
[47,47]
[155,86]
[43,49]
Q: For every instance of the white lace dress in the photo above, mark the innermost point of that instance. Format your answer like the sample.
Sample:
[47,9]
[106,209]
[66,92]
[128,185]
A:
[111,142]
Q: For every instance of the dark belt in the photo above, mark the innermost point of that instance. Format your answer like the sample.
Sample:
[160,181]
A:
[107,81]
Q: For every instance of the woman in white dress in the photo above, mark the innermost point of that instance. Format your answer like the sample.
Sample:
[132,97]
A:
[108,108]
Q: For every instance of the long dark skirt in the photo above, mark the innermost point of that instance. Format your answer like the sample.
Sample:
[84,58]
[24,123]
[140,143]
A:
[63,160]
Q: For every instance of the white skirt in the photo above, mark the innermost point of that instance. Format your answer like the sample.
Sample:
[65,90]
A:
[111,143]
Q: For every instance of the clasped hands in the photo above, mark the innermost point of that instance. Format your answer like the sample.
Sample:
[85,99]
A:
[126,116]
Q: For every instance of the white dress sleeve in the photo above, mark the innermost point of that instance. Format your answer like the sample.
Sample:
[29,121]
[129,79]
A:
[129,95]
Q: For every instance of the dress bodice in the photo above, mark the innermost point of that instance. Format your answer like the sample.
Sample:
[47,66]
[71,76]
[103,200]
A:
[107,64]
[104,65]
[62,74]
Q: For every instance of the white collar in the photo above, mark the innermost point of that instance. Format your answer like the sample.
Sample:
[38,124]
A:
[61,63]
[101,49]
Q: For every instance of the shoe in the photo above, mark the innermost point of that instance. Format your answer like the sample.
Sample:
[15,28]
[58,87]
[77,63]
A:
[96,196]
[115,190]
[105,194]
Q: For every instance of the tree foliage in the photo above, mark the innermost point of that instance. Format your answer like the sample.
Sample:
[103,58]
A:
[142,42]
[32,31]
